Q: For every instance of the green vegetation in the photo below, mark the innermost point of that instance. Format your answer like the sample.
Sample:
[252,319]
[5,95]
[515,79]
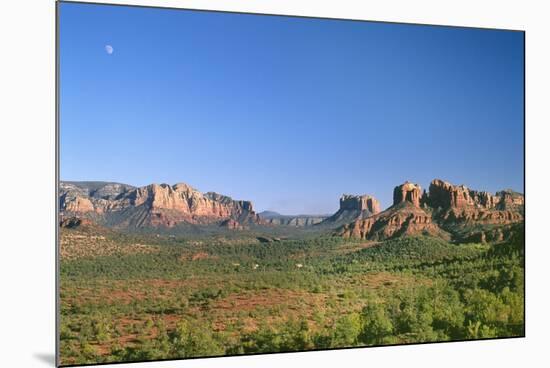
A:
[215,296]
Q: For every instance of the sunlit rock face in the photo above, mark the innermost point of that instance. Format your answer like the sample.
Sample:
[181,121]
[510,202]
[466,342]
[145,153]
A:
[445,210]
[353,207]
[157,205]
[407,192]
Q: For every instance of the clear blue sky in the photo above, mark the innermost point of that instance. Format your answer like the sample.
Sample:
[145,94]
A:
[287,112]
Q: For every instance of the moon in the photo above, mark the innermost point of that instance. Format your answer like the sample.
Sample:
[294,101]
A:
[109,49]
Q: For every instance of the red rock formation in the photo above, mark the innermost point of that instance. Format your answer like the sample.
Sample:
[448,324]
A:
[405,217]
[157,205]
[446,208]
[360,203]
[480,216]
[510,200]
[353,207]
[407,192]
[460,205]
[182,203]
[445,195]
[79,205]
[400,220]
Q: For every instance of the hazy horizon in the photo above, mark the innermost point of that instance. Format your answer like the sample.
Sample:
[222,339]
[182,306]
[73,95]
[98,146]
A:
[289,113]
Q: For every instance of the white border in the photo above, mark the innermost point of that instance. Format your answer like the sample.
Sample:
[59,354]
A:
[27,190]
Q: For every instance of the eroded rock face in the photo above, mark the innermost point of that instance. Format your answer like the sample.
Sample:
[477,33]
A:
[353,207]
[153,205]
[79,205]
[471,216]
[460,205]
[407,192]
[446,195]
[404,217]
[188,203]
[510,200]
[360,203]
[445,210]
[407,219]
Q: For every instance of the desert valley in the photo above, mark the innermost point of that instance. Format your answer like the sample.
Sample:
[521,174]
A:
[166,271]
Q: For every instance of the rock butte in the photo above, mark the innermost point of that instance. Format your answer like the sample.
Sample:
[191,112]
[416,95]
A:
[442,211]
[439,212]
[407,192]
[353,207]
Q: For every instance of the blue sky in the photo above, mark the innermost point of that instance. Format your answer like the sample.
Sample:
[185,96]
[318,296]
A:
[287,112]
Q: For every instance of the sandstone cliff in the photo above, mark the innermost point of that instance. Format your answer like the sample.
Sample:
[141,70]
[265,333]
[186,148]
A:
[400,220]
[404,217]
[407,192]
[353,207]
[156,205]
[447,211]
[457,204]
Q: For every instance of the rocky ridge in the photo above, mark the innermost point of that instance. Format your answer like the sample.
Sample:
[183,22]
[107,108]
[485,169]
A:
[154,205]
[452,212]
[446,211]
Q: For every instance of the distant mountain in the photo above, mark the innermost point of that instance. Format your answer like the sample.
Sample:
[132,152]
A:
[448,211]
[124,206]
[270,214]
[275,218]
[98,189]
